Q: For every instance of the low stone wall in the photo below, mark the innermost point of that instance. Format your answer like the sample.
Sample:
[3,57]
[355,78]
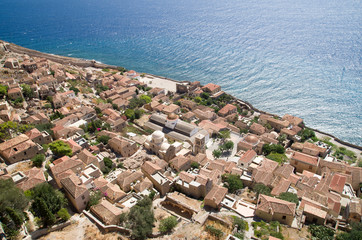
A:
[107,228]
[44,231]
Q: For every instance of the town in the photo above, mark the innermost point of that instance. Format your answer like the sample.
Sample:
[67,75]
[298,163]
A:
[109,153]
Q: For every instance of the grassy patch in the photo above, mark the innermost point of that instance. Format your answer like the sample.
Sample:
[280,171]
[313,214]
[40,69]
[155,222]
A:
[278,157]
[263,230]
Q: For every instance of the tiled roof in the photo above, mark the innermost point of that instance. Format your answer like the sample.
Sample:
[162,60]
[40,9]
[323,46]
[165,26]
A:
[150,168]
[284,171]
[87,157]
[186,177]
[66,165]
[216,194]
[305,158]
[13,142]
[35,176]
[248,156]
[337,183]
[315,211]
[282,186]
[274,205]
[74,186]
[33,133]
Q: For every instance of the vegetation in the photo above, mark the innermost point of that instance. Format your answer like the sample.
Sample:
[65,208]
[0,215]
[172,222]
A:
[45,127]
[139,102]
[224,135]
[60,149]
[306,134]
[167,224]
[273,148]
[354,234]
[130,114]
[12,205]
[11,129]
[260,188]
[94,198]
[140,219]
[341,152]
[214,231]
[320,232]
[263,230]
[56,115]
[108,165]
[27,91]
[103,139]
[232,182]
[3,90]
[63,214]
[38,160]
[195,165]
[241,226]
[216,153]
[46,203]
[278,157]
[75,90]
[290,197]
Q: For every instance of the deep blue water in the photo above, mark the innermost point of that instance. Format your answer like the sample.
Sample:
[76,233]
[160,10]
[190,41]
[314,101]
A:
[297,57]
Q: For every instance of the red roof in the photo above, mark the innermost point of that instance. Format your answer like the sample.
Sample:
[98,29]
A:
[337,183]
[248,156]
[305,158]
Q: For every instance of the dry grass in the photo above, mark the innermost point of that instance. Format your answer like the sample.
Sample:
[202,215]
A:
[291,233]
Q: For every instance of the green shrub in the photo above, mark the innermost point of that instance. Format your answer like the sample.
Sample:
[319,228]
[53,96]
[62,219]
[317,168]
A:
[214,231]
[38,160]
[63,214]
[167,224]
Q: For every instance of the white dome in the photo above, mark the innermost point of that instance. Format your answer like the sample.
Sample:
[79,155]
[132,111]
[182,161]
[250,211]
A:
[158,134]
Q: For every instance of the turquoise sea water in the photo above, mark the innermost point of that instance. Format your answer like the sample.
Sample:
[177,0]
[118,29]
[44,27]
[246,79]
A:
[297,57]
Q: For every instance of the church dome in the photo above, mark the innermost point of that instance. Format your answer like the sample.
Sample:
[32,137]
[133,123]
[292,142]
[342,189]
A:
[158,135]
[252,139]
[172,116]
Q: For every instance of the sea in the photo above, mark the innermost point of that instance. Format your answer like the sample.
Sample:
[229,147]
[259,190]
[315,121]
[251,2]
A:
[282,56]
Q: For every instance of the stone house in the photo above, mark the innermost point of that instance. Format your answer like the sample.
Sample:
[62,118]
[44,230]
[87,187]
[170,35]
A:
[215,196]
[257,129]
[180,163]
[303,162]
[123,146]
[11,63]
[32,178]
[19,148]
[154,173]
[127,179]
[193,185]
[211,88]
[278,124]
[273,209]
[354,210]
[64,167]
[314,215]
[227,110]
[76,191]
[15,93]
[39,137]
[106,212]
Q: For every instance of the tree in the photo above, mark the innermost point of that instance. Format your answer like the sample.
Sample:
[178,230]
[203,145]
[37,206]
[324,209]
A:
[44,212]
[130,114]
[75,90]
[141,219]
[103,139]
[54,199]
[260,188]
[3,90]
[280,158]
[228,145]
[145,99]
[98,110]
[290,197]
[56,115]
[232,182]
[269,148]
[216,153]
[138,113]
[114,106]
[60,148]
[224,134]
[354,234]
[205,95]
[282,138]
[12,205]
[94,198]
[63,214]
[27,91]
[108,165]
[38,160]
[9,129]
[306,133]
[167,224]
[195,165]
[320,232]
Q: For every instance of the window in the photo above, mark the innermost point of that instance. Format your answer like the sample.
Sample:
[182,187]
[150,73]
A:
[310,167]
[83,197]
[284,217]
